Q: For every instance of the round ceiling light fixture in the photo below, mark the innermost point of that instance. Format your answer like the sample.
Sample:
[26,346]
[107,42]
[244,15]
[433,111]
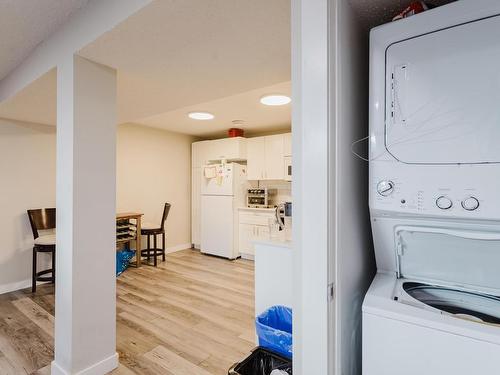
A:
[201,115]
[275,99]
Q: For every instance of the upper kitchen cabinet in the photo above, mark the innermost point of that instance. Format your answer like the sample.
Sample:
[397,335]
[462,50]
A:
[287,144]
[199,153]
[256,162]
[266,158]
[232,149]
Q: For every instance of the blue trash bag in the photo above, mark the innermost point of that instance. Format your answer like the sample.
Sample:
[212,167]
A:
[122,259]
[274,329]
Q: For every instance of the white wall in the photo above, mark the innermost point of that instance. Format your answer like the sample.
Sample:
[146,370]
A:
[28,178]
[354,250]
[154,167]
[311,239]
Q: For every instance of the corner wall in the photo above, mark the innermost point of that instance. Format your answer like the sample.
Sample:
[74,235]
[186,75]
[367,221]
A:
[28,179]
[354,259]
[154,167]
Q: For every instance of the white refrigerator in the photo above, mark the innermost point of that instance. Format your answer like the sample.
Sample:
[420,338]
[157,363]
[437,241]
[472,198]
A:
[223,190]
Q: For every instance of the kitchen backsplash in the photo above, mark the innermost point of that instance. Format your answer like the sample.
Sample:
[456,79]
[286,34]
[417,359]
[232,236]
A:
[284,189]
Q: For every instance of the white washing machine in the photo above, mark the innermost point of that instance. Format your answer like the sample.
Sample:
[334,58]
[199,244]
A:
[434,305]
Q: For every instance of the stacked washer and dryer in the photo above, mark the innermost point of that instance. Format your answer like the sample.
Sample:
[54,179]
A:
[434,305]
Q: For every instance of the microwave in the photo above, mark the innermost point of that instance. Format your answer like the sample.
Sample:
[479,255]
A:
[288,168]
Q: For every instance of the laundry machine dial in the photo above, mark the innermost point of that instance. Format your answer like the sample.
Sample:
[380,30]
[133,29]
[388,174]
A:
[470,204]
[385,188]
[444,202]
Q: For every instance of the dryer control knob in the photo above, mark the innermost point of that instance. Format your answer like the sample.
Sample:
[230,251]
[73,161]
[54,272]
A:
[444,202]
[385,188]
[470,204]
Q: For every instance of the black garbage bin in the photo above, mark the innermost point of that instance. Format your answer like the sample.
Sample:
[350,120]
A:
[261,362]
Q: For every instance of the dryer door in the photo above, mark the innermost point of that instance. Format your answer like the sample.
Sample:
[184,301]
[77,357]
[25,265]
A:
[443,96]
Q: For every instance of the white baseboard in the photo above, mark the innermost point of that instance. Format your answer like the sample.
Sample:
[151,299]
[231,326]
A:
[173,249]
[247,256]
[12,287]
[100,368]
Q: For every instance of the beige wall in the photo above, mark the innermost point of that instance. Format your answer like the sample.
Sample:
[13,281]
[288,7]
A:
[27,180]
[154,167]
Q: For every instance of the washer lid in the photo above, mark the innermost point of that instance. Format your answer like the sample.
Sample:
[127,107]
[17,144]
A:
[443,95]
[467,259]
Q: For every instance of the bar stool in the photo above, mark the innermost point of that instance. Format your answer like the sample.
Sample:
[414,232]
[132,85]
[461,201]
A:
[43,220]
[152,230]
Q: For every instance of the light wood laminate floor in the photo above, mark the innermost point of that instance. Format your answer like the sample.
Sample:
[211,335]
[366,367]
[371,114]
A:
[192,315]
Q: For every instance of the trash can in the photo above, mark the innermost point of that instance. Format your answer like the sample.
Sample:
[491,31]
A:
[274,329]
[261,362]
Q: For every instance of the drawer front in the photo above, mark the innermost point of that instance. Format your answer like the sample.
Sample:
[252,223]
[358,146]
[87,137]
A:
[255,219]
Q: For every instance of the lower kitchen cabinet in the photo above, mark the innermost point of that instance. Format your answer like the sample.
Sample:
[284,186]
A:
[253,226]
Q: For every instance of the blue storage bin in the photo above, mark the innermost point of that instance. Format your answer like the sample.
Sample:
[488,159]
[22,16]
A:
[274,329]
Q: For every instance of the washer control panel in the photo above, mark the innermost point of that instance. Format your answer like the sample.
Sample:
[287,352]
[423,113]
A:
[444,203]
[444,191]
[470,203]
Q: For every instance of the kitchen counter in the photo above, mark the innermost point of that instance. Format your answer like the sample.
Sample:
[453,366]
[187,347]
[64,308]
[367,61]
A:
[274,242]
[256,209]
[273,274]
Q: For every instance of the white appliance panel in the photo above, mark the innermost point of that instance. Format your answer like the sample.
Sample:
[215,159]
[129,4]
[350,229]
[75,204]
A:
[443,95]
[222,182]
[217,229]
[434,168]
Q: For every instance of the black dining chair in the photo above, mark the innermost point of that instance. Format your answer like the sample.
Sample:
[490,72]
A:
[44,242]
[152,230]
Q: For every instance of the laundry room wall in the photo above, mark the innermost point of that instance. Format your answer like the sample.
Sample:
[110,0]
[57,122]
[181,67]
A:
[355,266]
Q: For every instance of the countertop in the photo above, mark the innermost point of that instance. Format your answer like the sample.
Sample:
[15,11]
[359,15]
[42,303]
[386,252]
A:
[256,209]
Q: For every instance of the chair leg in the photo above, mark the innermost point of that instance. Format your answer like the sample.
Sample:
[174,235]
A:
[155,250]
[149,247]
[53,267]
[33,276]
[163,246]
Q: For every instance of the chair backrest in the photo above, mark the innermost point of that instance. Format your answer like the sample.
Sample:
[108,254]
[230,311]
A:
[42,219]
[166,210]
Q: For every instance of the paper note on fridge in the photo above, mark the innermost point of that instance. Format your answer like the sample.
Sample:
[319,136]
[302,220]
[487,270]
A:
[210,172]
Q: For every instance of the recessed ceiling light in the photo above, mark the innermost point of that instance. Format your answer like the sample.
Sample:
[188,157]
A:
[275,99]
[201,115]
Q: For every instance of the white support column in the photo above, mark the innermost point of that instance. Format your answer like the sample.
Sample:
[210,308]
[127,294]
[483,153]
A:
[85,328]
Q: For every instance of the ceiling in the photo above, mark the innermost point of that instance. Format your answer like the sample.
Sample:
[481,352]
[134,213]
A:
[245,107]
[173,57]
[175,54]
[26,23]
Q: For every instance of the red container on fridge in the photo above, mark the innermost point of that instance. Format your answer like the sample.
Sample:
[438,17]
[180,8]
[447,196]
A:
[412,9]
[235,132]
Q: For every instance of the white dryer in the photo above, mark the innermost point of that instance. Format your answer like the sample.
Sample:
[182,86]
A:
[434,305]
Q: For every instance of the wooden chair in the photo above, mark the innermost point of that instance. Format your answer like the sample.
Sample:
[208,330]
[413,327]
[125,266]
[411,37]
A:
[43,220]
[151,230]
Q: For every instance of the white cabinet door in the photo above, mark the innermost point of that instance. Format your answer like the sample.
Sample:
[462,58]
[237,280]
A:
[262,232]
[227,149]
[195,206]
[256,158]
[274,157]
[246,236]
[199,153]
[287,144]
